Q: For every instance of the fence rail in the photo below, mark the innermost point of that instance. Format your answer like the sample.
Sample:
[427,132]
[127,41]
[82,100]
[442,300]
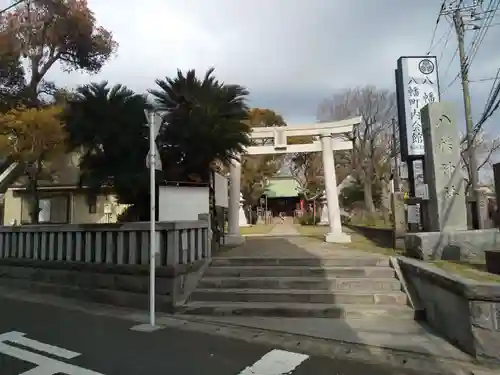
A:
[128,243]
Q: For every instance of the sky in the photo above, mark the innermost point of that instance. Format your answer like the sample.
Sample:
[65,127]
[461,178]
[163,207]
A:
[290,54]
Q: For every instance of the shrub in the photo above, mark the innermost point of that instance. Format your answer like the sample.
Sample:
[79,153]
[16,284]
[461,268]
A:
[309,219]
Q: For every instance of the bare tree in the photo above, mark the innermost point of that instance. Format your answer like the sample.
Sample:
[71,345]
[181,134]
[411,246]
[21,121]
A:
[377,108]
[486,147]
[307,169]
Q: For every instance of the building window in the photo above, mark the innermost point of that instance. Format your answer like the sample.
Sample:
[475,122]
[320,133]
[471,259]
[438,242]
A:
[53,209]
[92,202]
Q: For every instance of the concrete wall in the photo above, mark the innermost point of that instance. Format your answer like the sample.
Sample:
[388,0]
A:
[107,209]
[12,208]
[465,312]
[177,203]
[119,285]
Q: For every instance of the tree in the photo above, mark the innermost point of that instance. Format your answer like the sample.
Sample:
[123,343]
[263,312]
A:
[486,147]
[307,169]
[377,108]
[33,137]
[256,169]
[43,32]
[108,126]
[206,122]
[12,82]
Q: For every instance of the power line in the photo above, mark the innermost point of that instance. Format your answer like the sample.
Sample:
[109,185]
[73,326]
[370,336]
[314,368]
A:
[449,65]
[446,42]
[436,26]
[483,79]
[483,30]
[11,6]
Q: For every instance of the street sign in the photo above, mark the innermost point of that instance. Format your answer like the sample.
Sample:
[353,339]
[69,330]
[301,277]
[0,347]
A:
[46,365]
[154,120]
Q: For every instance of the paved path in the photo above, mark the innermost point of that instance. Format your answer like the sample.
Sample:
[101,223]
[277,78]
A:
[291,247]
[38,339]
[284,229]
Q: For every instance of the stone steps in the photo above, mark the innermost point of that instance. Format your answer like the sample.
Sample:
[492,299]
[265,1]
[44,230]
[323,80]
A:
[299,296]
[301,283]
[303,262]
[277,309]
[304,271]
[337,287]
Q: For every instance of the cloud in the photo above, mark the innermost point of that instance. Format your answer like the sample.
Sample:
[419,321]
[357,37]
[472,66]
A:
[290,54]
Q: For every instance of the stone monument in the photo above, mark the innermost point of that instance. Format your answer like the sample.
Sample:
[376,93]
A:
[399,217]
[446,211]
[243,222]
[445,180]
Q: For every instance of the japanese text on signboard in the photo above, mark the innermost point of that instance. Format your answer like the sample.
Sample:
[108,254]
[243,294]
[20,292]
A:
[420,93]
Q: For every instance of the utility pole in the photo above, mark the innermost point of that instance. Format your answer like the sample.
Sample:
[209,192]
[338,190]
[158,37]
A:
[464,71]
[456,9]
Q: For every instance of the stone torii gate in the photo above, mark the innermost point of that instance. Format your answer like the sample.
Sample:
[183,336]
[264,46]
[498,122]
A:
[330,135]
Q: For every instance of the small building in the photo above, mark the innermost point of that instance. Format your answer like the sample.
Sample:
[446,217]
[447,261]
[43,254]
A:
[62,201]
[282,195]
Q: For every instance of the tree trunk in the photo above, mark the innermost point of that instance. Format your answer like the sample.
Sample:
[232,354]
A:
[33,175]
[368,195]
[314,212]
[213,211]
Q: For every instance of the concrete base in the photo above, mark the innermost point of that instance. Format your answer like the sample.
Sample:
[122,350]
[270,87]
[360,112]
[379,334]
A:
[463,311]
[337,238]
[451,245]
[234,240]
[148,328]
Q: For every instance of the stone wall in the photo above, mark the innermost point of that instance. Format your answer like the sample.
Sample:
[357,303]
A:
[106,263]
[465,312]
[119,285]
[451,245]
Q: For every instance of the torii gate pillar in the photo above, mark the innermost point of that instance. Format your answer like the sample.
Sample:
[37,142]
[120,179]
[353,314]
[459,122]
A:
[335,233]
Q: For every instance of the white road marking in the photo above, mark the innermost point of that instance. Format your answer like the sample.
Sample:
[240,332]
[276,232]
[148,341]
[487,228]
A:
[276,362]
[46,365]
[18,338]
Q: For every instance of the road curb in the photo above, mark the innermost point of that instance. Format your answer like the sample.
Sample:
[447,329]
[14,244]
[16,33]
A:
[295,342]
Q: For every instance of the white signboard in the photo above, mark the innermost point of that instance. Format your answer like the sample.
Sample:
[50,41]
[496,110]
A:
[422,191]
[46,364]
[417,86]
[414,214]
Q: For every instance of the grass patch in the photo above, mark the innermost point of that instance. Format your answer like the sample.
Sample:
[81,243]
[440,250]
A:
[358,241]
[472,271]
[256,229]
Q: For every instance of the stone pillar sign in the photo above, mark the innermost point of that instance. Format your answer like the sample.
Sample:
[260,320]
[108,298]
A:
[446,185]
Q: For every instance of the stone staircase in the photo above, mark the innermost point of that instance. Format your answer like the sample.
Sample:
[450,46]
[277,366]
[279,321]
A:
[339,287]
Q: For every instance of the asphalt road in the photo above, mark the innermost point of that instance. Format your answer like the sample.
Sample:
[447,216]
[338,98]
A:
[38,339]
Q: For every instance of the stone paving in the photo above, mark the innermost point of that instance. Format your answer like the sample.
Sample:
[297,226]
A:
[285,242]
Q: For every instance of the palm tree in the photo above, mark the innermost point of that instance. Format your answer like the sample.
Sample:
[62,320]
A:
[205,123]
[108,125]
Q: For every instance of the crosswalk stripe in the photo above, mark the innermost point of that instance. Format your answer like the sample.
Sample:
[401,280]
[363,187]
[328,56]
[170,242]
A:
[19,338]
[276,362]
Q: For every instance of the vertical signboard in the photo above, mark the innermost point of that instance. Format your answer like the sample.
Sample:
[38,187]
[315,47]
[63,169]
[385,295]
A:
[416,86]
